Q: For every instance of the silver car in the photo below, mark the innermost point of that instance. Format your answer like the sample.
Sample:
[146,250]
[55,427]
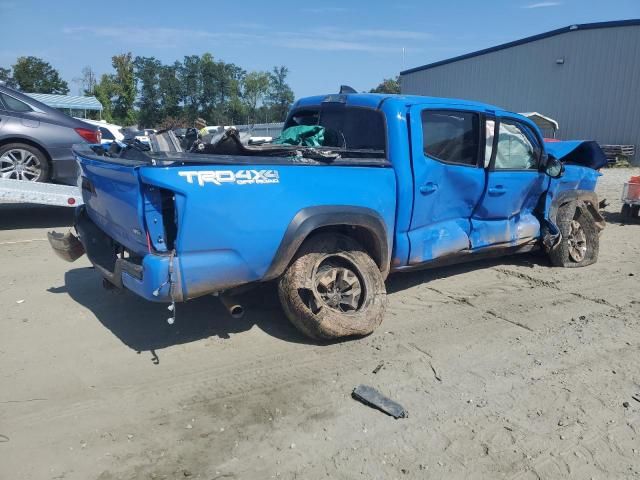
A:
[36,140]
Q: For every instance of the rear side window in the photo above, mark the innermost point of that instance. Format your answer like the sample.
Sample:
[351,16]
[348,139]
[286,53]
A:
[351,128]
[451,137]
[14,105]
[106,134]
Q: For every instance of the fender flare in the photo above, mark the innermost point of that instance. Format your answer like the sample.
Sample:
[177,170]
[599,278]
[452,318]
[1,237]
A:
[307,220]
[587,198]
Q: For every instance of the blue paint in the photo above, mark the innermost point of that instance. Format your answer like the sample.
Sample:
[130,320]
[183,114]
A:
[228,233]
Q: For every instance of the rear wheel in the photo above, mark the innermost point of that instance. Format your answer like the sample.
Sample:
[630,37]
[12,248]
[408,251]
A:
[333,289]
[580,241]
[19,161]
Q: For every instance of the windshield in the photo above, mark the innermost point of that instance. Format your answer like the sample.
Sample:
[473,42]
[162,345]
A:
[349,128]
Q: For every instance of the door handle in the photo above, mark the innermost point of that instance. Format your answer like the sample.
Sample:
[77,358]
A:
[497,190]
[428,188]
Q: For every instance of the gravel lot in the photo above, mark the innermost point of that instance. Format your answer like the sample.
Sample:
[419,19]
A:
[537,368]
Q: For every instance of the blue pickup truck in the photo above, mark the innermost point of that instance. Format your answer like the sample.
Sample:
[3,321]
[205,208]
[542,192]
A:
[386,184]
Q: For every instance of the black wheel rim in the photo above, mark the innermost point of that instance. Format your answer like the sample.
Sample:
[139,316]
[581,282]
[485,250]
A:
[338,285]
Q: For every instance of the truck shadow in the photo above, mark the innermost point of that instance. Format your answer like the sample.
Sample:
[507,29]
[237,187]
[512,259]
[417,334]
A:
[19,216]
[142,325]
[403,281]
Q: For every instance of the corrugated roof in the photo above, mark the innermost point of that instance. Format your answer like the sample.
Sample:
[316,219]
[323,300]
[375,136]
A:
[67,101]
[552,33]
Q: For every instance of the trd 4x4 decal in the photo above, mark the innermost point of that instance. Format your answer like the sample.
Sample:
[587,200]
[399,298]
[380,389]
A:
[241,177]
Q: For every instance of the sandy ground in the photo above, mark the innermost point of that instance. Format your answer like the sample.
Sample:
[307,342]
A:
[537,369]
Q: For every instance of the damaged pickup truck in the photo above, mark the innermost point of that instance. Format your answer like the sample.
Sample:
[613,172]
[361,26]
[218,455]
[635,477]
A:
[361,186]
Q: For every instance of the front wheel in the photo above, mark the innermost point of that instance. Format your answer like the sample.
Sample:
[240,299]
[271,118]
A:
[580,241]
[333,289]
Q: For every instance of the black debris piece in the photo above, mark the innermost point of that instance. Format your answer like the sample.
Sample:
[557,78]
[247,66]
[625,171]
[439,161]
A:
[373,398]
[377,369]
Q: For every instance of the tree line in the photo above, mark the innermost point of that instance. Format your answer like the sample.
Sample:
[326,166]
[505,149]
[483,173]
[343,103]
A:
[149,93]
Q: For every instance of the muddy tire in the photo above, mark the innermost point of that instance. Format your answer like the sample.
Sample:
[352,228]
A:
[333,289]
[580,241]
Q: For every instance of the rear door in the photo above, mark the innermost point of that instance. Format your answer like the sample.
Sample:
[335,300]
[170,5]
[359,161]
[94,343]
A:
[505,215]
[449,178]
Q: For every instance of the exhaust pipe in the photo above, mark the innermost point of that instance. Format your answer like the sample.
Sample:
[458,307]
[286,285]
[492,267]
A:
[234,308]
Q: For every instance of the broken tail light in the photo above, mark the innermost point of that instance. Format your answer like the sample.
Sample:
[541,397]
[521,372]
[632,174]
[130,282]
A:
[160,218]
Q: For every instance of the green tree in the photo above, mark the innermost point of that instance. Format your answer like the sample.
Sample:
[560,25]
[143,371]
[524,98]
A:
[147,73]
[125,89]
[170,91]
[388,85]
[105,92]
[280,96]
[230,104]
[208,99]
[191,85]
[34,75]
[6,78]
[255,87]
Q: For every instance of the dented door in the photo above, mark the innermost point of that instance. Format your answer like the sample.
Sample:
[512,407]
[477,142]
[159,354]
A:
[449,179]
[505,216]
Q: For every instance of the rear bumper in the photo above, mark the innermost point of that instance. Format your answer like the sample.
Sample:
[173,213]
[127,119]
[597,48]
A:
[64,166]
[155,278]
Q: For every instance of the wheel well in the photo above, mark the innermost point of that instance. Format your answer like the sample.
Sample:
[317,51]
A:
[365,237]
[362,224]
[31,143]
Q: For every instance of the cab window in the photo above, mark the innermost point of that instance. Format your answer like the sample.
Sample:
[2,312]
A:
[517,148]
[451,137]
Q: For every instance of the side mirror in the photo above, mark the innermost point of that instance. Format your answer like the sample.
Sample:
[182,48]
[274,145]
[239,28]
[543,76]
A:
[554,168]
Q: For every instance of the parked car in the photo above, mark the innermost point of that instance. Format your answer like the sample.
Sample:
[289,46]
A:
[392,184]
[36,140]
[110,132]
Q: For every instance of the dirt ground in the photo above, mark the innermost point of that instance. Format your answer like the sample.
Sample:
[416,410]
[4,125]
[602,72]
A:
[508,368]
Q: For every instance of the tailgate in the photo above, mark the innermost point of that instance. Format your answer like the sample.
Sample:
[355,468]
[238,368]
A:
[113,197]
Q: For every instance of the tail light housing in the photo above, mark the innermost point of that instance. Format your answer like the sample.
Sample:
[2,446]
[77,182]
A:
[161,219]
[91,136]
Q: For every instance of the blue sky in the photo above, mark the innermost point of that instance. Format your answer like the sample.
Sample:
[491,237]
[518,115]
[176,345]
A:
[324,43]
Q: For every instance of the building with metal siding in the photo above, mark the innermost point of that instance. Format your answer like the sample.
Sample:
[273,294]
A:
[587,77]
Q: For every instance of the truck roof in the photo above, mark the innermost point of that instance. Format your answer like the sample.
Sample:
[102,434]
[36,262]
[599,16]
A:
[374,100]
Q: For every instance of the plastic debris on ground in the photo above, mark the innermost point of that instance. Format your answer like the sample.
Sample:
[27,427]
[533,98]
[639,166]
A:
[373,398]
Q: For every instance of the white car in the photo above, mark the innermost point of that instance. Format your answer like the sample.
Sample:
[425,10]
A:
[109,131]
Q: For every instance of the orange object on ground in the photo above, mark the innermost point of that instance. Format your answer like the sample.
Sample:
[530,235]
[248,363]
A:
[633,193]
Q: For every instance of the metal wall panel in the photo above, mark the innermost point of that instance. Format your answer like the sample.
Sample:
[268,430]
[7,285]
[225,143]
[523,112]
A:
[595,94]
